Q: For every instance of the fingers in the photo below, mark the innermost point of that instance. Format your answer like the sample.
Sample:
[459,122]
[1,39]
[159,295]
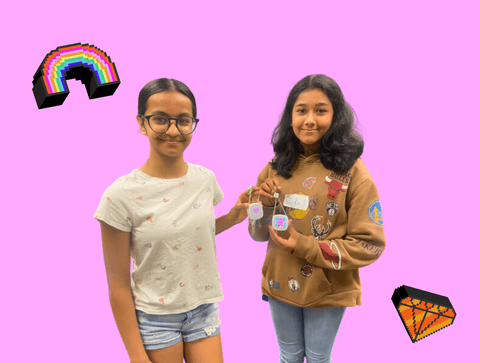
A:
[271,186]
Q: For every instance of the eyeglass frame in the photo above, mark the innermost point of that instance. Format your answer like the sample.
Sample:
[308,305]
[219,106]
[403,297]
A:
[195,120]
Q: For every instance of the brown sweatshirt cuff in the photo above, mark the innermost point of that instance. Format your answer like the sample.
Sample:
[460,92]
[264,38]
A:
[304,247]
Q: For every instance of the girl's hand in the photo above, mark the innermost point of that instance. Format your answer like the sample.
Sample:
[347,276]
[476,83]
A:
[239,211]
[291,242]
[269,187]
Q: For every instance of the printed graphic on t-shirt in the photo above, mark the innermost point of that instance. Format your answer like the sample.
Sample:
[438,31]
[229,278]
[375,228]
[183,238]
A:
[319,230]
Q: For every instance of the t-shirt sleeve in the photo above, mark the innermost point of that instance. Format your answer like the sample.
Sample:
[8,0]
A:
[217,192]
[115,208]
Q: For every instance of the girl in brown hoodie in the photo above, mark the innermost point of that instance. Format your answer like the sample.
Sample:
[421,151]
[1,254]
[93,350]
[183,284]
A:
[310,273]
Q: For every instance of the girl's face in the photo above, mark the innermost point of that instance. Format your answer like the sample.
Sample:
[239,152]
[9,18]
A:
[311,117]
[171,104]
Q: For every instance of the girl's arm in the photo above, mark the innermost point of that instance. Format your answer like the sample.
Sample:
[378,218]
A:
[361,246]
[237,214]
[116,252]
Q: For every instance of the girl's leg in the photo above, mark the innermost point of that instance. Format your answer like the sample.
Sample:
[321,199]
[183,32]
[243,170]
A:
[173,354]
[206,350]
[288,324]
[321,326]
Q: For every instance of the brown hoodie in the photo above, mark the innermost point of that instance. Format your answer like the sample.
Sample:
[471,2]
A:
[341,231]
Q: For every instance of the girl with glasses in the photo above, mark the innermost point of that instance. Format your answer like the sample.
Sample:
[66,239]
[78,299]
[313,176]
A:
[310,273]
[161,215]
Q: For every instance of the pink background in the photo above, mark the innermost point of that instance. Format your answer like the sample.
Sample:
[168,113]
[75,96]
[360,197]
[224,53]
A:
[409,69]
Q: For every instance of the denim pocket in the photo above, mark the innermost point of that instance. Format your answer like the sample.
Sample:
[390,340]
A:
[293,279]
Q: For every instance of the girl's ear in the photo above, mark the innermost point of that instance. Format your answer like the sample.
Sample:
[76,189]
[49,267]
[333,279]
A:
[141,124]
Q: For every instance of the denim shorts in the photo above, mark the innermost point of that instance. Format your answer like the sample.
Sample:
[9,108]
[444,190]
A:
[162,331]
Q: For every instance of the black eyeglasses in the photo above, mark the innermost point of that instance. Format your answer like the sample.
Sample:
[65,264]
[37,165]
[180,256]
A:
[160,124]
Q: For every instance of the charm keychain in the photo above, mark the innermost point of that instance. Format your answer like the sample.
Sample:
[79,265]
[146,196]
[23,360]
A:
[279,221]
[255,210]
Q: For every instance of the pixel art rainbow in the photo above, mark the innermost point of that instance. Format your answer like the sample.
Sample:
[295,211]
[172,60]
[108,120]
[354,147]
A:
[423,313]
[80,61]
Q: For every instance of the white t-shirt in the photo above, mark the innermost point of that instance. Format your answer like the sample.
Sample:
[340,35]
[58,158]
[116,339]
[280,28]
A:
[172,237]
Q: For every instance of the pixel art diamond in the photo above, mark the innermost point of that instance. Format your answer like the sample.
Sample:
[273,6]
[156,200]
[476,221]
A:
[83,62]
[423,313]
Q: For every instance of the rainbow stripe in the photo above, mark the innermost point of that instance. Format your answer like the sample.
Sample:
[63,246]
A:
[60,60]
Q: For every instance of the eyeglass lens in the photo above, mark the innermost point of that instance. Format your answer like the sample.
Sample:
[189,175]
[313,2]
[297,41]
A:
[184,124]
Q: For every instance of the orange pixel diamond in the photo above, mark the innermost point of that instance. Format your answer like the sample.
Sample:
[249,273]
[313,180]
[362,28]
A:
[423,313]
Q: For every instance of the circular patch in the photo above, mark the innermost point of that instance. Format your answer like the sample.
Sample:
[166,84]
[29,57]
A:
[307,270]
[298,213]
[293,284]
[375,213]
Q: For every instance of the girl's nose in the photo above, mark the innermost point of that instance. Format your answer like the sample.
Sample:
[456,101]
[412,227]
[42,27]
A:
[172,130]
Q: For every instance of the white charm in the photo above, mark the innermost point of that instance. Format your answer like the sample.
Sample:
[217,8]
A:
[280,222]
[255,211]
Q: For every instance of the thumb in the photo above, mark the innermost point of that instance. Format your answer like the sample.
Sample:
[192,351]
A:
[290,227]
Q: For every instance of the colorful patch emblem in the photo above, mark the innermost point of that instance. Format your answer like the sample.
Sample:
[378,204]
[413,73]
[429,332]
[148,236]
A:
[334,188]
[319,231]
[297,213]
[293,284]
[313,202]
[336,259]
[332,209]
[274,284]
[375,213]
[176,247]
[307,270]
[308,183]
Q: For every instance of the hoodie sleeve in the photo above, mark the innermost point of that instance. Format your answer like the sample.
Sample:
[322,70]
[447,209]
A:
[258,229]
[365,239]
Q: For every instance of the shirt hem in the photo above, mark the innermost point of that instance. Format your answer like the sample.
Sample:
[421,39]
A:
[179,311]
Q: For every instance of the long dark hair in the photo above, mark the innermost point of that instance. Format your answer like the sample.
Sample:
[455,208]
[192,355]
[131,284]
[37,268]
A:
[160,85]
[341,145]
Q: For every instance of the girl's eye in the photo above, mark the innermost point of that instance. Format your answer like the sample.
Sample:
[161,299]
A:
[321,111]
[300,111]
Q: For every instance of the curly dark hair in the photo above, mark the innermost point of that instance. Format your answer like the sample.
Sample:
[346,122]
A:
[341,145]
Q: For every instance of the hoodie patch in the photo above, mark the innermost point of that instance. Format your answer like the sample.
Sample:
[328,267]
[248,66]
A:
[308,183]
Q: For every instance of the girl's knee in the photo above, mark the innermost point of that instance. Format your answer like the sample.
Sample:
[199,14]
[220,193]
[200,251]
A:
[292,357]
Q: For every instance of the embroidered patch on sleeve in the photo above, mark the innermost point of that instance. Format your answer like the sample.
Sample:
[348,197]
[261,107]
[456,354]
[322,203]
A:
[375,213]
[422,313]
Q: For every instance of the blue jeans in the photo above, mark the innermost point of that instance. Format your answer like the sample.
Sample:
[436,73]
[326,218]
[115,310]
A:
[305,332]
